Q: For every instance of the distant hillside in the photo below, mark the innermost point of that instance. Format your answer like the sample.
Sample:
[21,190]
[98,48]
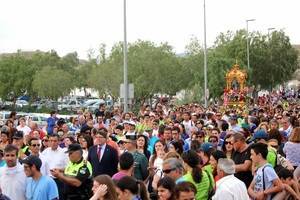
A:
[24,53]
[29,54]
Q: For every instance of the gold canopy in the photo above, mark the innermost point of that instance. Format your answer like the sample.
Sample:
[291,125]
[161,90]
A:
[236,78]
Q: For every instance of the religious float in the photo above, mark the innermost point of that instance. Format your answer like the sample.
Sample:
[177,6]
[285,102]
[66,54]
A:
[235,93]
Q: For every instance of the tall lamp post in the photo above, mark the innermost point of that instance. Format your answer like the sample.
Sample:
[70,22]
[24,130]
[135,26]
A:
[248,59]
[205,59]
[272,78]
[125,63]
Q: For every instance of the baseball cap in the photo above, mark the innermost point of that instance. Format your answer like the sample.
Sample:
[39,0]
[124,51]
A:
[73,147]
[260,134]
[32,160]
[18,135]
[4,129]
[129,138]
[206,147]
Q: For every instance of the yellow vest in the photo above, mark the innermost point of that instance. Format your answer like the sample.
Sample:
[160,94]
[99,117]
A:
[72,169]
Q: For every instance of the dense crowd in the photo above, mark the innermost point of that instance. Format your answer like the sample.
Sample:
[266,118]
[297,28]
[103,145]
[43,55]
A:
[166,152]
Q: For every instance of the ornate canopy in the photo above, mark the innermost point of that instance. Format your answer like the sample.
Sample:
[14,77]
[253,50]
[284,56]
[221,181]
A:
[236,91]
[236,78]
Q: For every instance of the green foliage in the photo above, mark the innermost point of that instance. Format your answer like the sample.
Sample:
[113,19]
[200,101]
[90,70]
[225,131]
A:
[218,66]
[107,76]
[52,83]
[15,76]
[273,56]
[152,68]
[155,69]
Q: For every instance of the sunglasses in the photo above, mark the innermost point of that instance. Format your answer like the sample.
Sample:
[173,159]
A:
[228,143]
[167,171]
[45,140]
[35,145]
[212,141]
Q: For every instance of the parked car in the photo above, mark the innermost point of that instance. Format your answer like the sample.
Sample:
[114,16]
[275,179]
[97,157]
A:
[21,103]
[4,115]
[38,118]
[72,105]
[90,102]
[95,106]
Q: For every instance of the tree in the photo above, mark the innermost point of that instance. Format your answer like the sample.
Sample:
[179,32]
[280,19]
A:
[15,76]
[274,56]
[280,61]
[52,83]
[154,69]
[107,76]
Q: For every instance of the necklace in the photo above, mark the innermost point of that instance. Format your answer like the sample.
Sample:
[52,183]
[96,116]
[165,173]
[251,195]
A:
[35,186]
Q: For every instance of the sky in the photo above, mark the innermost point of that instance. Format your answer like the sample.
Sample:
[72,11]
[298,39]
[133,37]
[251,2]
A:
[79,25]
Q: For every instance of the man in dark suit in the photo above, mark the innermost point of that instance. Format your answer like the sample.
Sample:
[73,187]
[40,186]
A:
[104,158]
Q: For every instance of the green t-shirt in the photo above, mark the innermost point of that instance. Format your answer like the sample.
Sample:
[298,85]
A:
[272,156]
[202,188]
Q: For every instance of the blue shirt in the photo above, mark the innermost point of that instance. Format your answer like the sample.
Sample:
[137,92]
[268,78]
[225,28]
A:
[50,125]
[152,141]
[45,188]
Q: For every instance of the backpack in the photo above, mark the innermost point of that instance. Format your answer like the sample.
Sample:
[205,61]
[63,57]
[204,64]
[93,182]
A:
[282,161]
[211,190]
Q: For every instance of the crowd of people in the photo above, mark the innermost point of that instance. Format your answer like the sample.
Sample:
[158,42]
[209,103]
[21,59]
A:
[167,152]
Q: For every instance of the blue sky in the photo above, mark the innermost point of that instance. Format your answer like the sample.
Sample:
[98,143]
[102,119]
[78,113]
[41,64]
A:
[79,25]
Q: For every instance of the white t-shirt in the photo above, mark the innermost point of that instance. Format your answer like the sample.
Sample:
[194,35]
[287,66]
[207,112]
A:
[26,130]
[230,188]
[13,182]
[188,125]
[55,158]
[45,169]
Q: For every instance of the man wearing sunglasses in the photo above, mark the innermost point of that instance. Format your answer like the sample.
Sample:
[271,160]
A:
[34,148]
[173,167]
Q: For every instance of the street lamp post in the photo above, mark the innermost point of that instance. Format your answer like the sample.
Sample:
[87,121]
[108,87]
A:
[205,59]
[271,59]
[248,59]
[125,63]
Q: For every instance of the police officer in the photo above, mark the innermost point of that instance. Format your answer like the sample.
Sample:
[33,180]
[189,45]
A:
[77,175]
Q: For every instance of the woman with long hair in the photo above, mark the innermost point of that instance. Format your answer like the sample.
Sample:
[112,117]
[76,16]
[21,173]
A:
[104,188]
[142,145]
[45,143]
[166,188]
[11,129]
[227,146]
[175,146]
[195,175]
[128,188]
[159,145]
[85,141]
